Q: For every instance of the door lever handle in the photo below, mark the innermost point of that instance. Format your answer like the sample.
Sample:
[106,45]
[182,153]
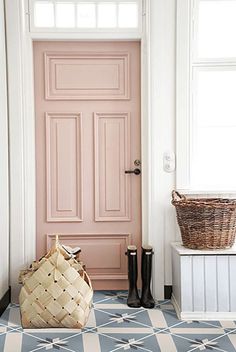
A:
[135,171]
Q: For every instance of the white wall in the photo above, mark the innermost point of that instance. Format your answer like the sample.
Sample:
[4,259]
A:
[4,191]
[162,99]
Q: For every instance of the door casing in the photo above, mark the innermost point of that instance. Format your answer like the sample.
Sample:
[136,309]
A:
[22,140]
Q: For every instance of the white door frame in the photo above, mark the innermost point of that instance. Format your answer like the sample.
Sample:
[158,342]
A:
[22,146]
[4,177]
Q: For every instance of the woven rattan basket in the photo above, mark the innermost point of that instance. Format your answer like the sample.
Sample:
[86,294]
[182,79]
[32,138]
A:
[56,292]
[206,222]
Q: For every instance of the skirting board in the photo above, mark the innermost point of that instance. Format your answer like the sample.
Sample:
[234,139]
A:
[201,315]
[167,291]
[5,301]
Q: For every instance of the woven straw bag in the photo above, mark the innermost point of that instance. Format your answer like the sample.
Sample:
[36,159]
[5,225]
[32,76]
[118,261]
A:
[206,222]
[56,292]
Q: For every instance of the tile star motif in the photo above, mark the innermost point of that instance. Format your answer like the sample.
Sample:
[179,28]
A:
[129,344]
[204,344]
[120,296]
[121,318]
[52,343]
[192,321]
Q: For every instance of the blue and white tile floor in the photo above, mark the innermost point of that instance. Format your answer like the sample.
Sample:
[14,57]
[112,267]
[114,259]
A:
[114,327]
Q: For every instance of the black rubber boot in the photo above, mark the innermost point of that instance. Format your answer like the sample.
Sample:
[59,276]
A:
[147,300]
[133,299]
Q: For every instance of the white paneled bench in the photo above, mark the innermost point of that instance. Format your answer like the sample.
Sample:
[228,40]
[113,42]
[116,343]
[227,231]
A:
[204,283]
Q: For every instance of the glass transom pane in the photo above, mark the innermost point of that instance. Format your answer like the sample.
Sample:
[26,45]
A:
[65,15]
[43,14]
[86,15]
[95,15]
[128,15]
[107,15]
[217,28]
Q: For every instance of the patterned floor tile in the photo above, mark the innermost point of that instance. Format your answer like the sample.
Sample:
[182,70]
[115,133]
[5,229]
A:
[165,304]
[111,305]
[5,317]
[110,297]
[124,320]
[197,327]
[2,341]
[228,342]
[162,319]
[165,342]
[14,319]
[113,326]
[171,320]
[98,296]
[196,342]
[18,342]
[227,325]
[3,329]
[57,341]
[11,316]
[123,342]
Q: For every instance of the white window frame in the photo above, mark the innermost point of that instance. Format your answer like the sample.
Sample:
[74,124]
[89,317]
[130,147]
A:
[132,33]
[186,64]
[183,14]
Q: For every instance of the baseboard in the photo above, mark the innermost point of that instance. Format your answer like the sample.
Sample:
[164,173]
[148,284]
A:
[201,315]
[167,292]
[5,301]
[176,306]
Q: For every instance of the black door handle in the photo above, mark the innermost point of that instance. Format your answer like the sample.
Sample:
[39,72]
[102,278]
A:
[135,171]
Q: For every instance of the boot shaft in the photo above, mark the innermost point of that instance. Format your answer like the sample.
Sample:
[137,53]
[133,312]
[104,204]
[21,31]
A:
[146,270]
[147,300]
[132,265]
[133,299]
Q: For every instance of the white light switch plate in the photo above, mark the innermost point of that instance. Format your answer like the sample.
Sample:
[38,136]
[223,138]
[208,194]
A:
[169,161]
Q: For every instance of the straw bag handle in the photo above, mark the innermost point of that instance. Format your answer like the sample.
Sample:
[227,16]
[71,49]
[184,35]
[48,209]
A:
[57,244]
[176,196]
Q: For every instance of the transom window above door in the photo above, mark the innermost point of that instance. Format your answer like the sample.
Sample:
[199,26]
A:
[89,16]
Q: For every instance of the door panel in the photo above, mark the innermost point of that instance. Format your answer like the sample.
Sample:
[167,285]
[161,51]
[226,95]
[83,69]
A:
[87,97]
[110,265]
[81,76]
[112,157]
[63,165]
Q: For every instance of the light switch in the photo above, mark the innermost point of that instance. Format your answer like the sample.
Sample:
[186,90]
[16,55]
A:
[169,161]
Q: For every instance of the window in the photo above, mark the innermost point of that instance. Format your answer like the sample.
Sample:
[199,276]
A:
[87,15]
[206,95]
[107,15]
[44,14]
[65,15]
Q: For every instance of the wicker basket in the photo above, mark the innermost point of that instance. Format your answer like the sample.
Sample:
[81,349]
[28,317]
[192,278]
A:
[206,222]
[56,292]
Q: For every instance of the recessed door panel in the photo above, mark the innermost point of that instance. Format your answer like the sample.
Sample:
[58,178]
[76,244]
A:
[64,167]
[112,158]
[81,76]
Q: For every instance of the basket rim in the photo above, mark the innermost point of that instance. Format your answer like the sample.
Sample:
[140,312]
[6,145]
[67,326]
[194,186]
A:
[220,203]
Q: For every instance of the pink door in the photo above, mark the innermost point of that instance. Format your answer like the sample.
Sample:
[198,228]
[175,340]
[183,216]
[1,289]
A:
[87,97]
